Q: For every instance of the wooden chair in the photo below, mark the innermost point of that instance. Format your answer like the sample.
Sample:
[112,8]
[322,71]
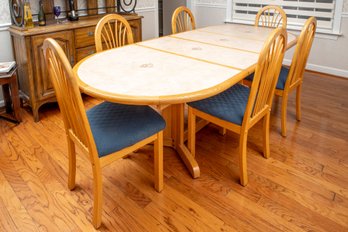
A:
[112,31]
[106,132]
[271,16]
[291,79]
[239,108]
[182,20]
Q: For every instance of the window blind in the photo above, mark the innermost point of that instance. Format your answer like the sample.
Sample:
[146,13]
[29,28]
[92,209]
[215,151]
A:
[297,11]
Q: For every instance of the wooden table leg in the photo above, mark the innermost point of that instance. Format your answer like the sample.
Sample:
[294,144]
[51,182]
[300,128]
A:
[15,98]
[166,113]
[7,97]
[178,136]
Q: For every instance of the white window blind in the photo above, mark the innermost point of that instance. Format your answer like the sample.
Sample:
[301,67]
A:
[327,12]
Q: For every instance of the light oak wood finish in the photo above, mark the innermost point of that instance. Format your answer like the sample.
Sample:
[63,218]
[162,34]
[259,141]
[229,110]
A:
[112,31]
[182,20]
[259,103]
[301,187]
[76,38]
[160,72]
[271,16]
[78,131]
[298,64]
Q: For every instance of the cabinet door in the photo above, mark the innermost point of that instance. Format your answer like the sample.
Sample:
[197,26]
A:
[42,84]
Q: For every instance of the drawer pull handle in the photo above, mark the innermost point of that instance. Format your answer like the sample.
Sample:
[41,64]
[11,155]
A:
[90,33]
[91,52]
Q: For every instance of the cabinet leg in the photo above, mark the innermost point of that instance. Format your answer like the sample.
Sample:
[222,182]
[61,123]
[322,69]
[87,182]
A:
[35,110]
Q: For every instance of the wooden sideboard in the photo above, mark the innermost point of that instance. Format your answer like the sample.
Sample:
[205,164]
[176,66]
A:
[77,40]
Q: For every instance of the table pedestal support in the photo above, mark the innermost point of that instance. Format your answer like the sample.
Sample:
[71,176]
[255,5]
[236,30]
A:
[177,130]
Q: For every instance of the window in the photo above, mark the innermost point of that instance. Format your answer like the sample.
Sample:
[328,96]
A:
[327,12]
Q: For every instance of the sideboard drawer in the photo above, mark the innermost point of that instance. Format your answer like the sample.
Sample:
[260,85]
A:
[84,52]
[84,37]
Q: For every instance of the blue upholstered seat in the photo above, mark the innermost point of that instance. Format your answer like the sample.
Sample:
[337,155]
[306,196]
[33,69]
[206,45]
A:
[115,126]
[229,105]
[281,79]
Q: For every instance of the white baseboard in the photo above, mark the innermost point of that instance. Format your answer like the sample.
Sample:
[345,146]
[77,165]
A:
[323,69]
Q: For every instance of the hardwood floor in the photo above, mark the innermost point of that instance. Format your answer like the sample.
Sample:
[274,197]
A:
[302,187]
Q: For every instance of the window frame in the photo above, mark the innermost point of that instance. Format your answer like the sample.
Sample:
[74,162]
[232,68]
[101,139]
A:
[336,21]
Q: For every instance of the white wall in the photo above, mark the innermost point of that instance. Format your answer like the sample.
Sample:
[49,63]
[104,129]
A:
[329,54]
[5,46]
[216,15]
[149,22]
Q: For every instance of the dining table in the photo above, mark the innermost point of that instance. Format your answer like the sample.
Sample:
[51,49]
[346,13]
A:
[169,71]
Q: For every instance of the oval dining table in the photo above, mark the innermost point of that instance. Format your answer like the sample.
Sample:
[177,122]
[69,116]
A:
[170,71]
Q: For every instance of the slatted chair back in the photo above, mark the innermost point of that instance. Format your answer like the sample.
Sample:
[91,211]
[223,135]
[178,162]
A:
[301,54]
[182,20]
[68,96]
[271,16]
[266,76]
[112,31]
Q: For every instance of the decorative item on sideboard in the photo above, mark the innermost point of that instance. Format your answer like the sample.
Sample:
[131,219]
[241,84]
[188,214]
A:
[22,16]
[17,12]
[41,17]
[72,14]
[28,17]
[127,6]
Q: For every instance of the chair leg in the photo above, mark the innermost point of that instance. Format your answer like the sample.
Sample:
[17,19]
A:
[243,158]
[266,149]
[158,162]
[191,138]
[72,164]
[298,102]
[97,196]
[284,110]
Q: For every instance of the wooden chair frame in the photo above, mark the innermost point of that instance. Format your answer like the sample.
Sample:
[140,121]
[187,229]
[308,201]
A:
[259,102]
[298,64]
[78,131]
[112,31]
[271,16]
[182,20]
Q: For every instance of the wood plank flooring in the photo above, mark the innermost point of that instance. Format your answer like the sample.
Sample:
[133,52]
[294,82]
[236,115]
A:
[302,187]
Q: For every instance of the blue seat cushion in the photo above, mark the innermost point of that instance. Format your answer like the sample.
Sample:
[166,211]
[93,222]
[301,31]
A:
[115,126]
[229,105]
[281,79]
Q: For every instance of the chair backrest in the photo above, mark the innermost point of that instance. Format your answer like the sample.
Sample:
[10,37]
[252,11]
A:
[182,20]
[68,95]
[112,31]
[266,75]
[271,16]
[303,47]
